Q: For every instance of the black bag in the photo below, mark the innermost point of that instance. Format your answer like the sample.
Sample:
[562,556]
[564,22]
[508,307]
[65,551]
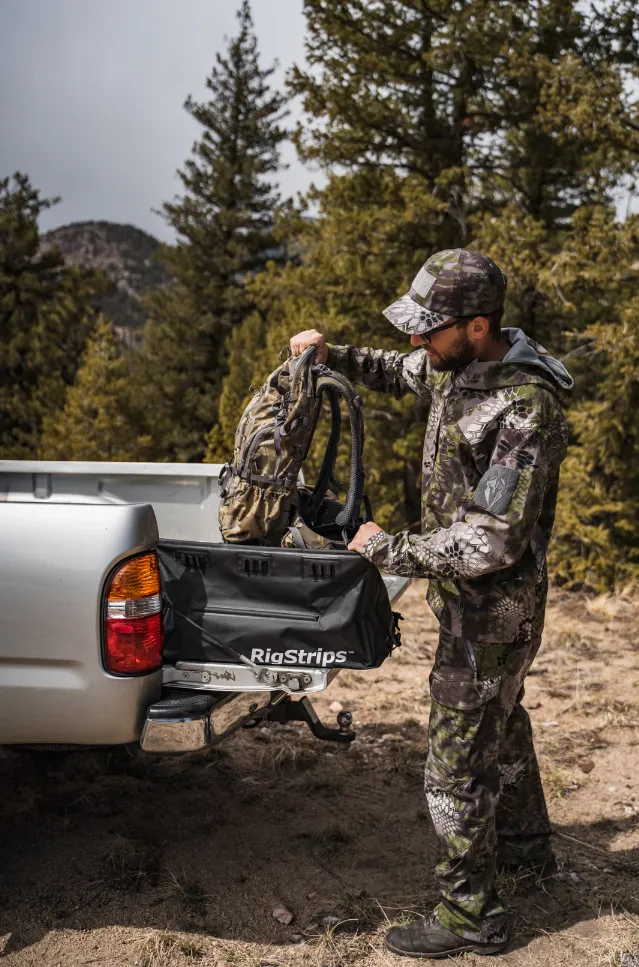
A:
[274,606]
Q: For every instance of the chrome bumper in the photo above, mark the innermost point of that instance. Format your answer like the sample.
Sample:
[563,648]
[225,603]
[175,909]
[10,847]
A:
[181,724]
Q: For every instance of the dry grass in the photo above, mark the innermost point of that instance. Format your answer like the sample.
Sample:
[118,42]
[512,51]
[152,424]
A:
[405,759]
[119,861]
[335,832]
[614,604]
[128,863]
[181,885]
[557,782]
[289,753]
[320,781]
[165,950]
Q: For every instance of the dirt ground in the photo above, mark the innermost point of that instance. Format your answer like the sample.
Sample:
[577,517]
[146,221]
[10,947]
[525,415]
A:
[111,859]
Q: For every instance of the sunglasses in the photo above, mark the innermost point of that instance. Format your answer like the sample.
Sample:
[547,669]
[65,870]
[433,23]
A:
[427,335]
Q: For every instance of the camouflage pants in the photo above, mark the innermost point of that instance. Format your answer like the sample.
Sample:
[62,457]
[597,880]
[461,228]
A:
[482,781]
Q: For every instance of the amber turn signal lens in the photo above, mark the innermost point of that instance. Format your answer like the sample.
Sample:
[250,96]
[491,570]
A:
[136,578]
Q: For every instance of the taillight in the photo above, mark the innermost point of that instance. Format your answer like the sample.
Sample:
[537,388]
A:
[134,633]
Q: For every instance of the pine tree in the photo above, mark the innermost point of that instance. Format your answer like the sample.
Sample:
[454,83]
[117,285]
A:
[103,414]
[495,91]
[46,315]
[244,345]
[224,227]
[502,127]
[596,536]
[493,106]
[596,542]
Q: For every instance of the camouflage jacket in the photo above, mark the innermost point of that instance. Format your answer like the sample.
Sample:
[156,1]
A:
[495,438]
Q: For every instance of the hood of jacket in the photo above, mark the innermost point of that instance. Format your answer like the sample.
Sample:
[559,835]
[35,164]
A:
[525,362]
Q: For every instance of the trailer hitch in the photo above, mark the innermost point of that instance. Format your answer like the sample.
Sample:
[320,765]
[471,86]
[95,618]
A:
[302,711]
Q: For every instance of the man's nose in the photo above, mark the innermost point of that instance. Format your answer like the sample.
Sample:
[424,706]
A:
[417,340]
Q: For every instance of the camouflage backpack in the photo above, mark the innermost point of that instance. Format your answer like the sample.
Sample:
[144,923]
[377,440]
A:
[261,501]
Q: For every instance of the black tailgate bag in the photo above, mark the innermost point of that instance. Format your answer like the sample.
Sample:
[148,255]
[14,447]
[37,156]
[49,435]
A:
[274,606]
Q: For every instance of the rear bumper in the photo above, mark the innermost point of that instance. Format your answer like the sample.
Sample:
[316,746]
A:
[184,722]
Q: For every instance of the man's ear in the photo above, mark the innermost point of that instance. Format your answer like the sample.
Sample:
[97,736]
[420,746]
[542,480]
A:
[479,327]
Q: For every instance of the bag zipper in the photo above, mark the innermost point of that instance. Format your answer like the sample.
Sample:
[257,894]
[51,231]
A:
[262,613]
[255,443]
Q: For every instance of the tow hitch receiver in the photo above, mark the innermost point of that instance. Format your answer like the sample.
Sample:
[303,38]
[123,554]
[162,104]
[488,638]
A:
[302,711]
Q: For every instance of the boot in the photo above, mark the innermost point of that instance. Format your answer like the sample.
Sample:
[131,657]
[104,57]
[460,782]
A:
[527,855]
[429,939]
[543,868]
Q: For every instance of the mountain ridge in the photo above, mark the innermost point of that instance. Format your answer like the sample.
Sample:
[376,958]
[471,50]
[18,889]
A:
[126,254]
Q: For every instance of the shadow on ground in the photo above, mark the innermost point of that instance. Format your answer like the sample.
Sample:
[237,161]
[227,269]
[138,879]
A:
[211,845]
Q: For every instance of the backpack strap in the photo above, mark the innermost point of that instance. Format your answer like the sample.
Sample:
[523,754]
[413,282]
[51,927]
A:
[325,476]
[296,535]
[339,386]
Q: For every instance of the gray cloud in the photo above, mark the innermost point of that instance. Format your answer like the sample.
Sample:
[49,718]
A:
[92,97]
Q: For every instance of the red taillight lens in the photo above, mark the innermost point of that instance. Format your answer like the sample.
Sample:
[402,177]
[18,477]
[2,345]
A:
[134,644]
[134,634]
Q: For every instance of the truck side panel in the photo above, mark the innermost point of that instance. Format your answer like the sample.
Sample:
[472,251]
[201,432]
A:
[54,561]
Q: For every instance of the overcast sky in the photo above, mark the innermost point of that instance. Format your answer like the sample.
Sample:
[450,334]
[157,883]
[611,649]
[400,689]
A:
[92,95]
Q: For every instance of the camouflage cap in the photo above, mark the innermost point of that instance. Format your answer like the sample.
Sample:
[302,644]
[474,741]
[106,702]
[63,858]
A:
[455,282]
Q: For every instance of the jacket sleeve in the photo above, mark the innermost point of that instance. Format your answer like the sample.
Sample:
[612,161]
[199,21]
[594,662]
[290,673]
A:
[386,371]
[499,520]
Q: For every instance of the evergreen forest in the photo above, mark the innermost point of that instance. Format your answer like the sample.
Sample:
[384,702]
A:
[508,128]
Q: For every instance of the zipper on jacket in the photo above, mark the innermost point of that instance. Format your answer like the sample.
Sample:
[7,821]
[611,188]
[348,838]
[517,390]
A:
[437,432]
[472,657]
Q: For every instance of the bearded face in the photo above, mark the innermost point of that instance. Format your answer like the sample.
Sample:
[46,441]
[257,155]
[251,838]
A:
[457,354]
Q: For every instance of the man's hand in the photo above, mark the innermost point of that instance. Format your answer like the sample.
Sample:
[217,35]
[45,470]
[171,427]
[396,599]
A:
[365,532]
[310,337]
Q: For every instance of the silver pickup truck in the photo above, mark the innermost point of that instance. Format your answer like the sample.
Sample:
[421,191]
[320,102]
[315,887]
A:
[77,554]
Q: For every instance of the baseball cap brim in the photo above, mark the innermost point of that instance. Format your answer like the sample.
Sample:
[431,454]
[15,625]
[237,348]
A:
[408,316]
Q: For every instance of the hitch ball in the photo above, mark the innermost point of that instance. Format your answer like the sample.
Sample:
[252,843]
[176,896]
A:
[344,721]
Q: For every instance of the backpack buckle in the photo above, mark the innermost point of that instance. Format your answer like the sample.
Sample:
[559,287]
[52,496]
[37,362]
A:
[225,474]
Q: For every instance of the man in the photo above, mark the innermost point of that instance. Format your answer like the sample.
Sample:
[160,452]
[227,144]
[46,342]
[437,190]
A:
[495,438]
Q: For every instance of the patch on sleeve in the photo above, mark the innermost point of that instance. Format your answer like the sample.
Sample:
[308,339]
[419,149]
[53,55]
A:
[495,489]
